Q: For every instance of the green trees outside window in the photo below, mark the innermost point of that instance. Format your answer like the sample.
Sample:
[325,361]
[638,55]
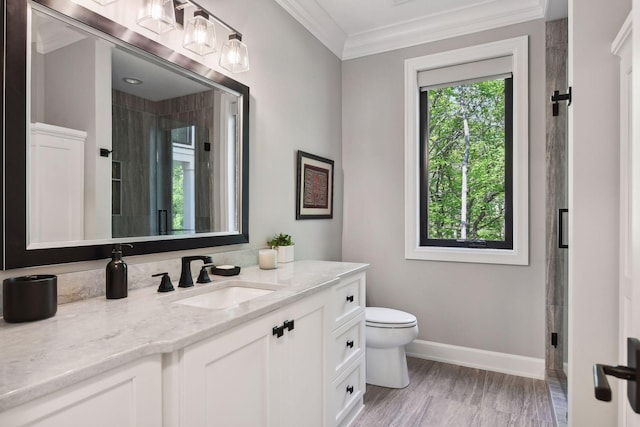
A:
[177,195]
[466,165]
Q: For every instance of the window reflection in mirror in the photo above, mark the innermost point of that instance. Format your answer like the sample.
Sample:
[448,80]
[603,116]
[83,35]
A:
[170,162]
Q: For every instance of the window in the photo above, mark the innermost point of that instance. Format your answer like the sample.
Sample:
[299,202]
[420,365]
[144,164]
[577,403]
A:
[465,164]
[183,183]
[466,154]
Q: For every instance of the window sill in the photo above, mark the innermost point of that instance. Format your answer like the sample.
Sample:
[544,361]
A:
[471,255]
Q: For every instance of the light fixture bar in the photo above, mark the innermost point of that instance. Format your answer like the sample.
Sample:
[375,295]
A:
[182,4]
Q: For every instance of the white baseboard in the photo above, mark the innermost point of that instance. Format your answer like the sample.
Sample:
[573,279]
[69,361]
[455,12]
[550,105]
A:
[475,358]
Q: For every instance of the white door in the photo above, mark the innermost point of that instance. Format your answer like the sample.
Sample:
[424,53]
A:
[629,275]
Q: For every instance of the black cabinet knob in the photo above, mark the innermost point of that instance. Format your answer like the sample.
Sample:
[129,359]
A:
[350,343]
[350,389]
[349,298]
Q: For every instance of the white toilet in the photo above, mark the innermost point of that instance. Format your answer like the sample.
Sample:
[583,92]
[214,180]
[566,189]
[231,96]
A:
[387,332]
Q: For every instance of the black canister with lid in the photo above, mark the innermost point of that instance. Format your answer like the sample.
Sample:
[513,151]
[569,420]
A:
[29,298]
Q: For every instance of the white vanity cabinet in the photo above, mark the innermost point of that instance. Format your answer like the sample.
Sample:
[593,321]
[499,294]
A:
[346,350]
[301,365]
[129,396]
[251,377]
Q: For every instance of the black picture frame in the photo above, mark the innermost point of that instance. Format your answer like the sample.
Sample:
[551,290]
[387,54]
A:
[314,187]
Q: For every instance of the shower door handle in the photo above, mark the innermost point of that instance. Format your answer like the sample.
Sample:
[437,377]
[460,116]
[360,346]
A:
[629,373]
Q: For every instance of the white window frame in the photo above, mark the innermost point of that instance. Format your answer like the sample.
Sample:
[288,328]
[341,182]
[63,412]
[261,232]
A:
[517,48]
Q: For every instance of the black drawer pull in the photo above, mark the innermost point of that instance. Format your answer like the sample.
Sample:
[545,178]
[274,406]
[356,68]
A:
[349,298]
[350,343]
[350,389]
[278,331]
[289,324]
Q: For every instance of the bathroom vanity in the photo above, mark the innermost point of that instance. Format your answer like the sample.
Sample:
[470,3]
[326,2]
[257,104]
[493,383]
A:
[292,354]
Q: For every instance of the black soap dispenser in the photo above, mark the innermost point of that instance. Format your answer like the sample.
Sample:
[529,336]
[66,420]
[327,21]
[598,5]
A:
[117,274]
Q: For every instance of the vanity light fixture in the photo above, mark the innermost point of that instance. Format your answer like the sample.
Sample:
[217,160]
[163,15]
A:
[157,15]
[200,34]
[161,16]
[235,55]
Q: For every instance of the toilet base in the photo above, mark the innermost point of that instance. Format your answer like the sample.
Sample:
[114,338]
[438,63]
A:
[387,367]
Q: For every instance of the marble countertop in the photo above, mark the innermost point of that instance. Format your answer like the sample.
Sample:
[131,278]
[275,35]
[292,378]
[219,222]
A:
[88,337]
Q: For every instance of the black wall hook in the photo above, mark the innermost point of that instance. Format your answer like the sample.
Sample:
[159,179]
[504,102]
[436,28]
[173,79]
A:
[557,97]
[104,152]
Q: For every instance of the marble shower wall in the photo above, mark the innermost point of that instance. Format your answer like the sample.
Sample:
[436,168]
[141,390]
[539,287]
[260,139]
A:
[142,147]
[134,129]
[556,193]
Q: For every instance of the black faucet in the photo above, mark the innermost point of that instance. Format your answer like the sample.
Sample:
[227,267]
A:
[186,281]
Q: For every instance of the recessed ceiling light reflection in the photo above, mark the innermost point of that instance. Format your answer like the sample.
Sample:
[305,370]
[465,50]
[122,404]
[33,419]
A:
[132,80]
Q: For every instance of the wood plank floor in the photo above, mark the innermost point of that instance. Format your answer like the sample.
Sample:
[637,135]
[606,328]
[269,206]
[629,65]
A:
[443,395]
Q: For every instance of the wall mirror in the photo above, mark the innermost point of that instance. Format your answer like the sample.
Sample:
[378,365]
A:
[112,137]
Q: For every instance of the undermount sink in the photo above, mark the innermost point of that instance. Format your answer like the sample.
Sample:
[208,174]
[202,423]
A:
[226,297]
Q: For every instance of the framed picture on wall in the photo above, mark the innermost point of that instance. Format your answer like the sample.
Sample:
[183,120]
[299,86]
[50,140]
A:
[314,196]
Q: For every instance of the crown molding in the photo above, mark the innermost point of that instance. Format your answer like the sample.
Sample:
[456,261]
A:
[318,22]
[442,26]
[52,38]
[479,17]
[624,34]
[544,4]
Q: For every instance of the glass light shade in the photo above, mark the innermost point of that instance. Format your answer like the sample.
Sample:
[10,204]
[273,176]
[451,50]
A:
[105,2]
[200,35]
[234,56]
[158,16]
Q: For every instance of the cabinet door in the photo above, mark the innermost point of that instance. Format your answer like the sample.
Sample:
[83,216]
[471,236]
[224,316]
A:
[227,379]
[299,398]
[248,377]
[127,397]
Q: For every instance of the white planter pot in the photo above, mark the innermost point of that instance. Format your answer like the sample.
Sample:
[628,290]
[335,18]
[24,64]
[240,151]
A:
[285,253]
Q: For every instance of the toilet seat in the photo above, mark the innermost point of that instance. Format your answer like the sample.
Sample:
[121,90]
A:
[379,317]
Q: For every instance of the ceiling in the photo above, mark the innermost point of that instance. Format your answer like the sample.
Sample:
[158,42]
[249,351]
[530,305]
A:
[51,34]
[155,78]
[356,28]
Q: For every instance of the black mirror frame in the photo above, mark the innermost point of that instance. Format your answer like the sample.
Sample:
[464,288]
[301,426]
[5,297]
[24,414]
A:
[14,133]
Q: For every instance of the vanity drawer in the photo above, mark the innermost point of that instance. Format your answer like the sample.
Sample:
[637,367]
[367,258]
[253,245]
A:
[348,344]
[348,390]
[348,298]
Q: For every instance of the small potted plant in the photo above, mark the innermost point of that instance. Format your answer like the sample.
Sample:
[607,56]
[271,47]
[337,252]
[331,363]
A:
[283,244]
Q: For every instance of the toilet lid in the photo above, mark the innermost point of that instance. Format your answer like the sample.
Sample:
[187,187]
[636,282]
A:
[388,317]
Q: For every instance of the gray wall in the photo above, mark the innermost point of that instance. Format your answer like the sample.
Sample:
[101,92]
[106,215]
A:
[88,79]
[295,105]
[491,307]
